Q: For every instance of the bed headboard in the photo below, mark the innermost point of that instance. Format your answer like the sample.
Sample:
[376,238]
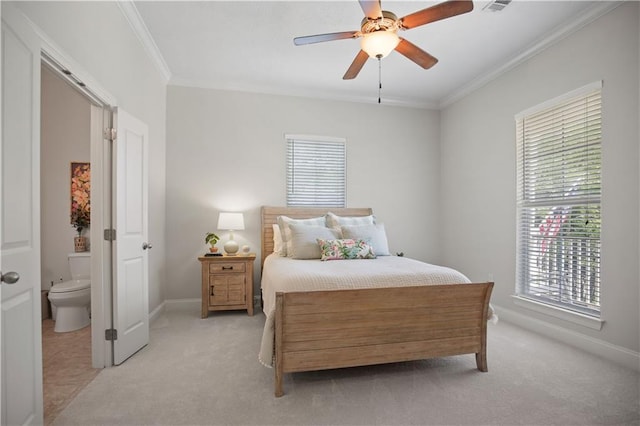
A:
[269,216]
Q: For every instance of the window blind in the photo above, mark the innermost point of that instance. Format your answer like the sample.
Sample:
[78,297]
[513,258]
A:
[316,171]
[558,201]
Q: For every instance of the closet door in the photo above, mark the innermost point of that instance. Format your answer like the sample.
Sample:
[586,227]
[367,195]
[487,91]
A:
[20,223]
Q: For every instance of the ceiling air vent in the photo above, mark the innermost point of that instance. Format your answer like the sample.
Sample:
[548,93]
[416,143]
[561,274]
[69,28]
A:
[496,5]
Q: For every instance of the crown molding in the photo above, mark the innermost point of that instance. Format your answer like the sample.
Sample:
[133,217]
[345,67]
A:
[561,32]
[140,29]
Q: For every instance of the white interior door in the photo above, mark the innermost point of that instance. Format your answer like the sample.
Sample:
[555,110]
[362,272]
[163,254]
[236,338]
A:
[131,284]
[20,218]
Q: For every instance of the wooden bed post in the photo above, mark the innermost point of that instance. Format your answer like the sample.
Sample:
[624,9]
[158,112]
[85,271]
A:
[481,360]
[278,345]
[481,357]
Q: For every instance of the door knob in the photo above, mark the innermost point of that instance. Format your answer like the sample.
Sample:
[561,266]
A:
[146,246]
[9,277]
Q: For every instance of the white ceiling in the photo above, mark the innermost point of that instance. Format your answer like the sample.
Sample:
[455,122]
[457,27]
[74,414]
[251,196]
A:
[248,46]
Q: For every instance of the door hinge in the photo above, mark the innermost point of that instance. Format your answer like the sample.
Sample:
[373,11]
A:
[111,334]
[110,234]
[110,134]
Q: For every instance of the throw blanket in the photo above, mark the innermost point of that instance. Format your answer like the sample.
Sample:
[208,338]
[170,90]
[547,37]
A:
[281,274]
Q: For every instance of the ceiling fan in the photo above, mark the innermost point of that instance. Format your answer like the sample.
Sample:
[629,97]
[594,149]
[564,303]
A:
[379,33]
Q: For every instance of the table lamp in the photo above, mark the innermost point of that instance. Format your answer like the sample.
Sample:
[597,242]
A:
[231,222]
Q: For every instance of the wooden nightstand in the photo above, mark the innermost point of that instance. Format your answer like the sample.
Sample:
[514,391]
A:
[227,283]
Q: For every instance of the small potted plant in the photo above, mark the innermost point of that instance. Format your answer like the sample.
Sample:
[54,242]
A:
[211,239]
[80,220]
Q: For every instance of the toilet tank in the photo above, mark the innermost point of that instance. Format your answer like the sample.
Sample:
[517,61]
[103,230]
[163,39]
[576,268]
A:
[80,265]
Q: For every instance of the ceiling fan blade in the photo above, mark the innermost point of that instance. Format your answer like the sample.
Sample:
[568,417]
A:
[416,54]
[356,65]
[440,11]
[371,8]
[298,41]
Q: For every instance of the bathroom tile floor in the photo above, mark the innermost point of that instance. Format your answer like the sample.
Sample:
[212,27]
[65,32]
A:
[66,367]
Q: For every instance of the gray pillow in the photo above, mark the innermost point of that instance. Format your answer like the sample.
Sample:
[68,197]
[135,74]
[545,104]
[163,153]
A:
[335,221]
[304,244]
[285,231]
[375,235]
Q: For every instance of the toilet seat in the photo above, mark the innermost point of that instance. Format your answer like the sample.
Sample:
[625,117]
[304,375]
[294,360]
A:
[69,286]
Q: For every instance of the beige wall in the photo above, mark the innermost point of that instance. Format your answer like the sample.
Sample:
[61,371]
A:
[478,163]
[226,151]
[65,132]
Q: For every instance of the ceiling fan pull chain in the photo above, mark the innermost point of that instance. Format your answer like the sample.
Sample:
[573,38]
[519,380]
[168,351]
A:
[379,76]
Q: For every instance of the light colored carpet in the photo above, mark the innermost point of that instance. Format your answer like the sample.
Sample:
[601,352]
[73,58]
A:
[205,372]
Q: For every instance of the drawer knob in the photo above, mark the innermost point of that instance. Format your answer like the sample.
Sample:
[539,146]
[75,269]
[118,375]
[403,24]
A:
[227,268]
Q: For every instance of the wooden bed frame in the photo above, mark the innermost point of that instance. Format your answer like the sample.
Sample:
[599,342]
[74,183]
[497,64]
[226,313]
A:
[319,330]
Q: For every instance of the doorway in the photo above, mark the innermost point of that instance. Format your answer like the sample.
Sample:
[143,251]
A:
[99,150]
[65,116]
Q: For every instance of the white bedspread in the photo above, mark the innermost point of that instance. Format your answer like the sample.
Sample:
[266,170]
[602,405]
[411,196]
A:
[286,274]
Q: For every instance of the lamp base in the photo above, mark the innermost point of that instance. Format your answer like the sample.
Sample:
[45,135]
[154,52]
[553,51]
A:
[231,248]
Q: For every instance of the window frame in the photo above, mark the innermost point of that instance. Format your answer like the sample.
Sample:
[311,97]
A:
[333,176]
[577,194]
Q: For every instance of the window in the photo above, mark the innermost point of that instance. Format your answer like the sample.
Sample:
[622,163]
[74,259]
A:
[558,201]
[316,171]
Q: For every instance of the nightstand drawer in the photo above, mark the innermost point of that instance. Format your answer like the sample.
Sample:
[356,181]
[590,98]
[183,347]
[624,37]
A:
[226,267]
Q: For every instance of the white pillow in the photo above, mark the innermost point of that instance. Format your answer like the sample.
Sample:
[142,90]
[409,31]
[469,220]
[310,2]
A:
[375,235]
[277,239]
[335,221]
[285,231]
[304,244]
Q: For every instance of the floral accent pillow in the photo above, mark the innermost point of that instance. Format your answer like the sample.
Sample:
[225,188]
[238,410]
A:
[345,249]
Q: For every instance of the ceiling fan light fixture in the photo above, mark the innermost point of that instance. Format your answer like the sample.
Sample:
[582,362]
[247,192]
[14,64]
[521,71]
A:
[378,32]
[379,43]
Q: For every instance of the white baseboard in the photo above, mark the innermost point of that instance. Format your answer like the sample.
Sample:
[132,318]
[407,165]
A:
[191,304]
[183,304]
[156,312]
[174,305]
[611,352]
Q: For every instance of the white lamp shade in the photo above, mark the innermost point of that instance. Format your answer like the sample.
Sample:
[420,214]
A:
[379,43]
[231,221]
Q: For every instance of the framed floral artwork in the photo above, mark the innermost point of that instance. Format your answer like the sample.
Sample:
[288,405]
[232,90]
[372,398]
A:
[80,196]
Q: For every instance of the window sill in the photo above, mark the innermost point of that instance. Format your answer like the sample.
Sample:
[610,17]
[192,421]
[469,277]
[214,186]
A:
[556,312]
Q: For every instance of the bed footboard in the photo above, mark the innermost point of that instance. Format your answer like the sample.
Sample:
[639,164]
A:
[321,330]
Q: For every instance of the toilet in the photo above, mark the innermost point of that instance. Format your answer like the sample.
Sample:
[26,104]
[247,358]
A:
[71,300]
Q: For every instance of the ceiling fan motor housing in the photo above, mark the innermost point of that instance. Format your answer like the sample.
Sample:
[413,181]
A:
[388,22]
